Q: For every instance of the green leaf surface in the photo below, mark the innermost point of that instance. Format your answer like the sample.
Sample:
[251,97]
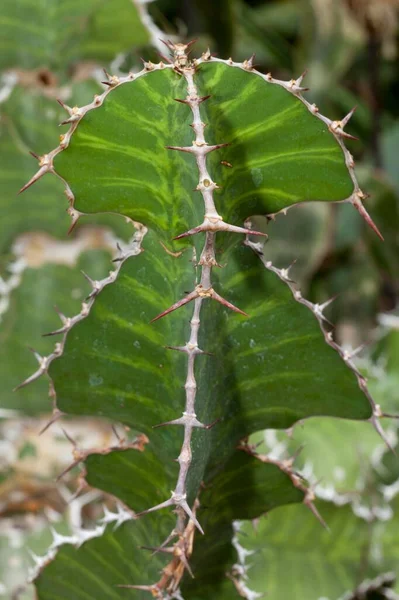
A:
[53,34]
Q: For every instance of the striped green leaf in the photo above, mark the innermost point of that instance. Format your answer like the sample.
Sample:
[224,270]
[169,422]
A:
[280,153]
[53,34]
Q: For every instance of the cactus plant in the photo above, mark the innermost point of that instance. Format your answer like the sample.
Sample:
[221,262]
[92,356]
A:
[253,355]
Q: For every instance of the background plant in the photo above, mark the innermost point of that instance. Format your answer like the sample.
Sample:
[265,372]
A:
[332,264]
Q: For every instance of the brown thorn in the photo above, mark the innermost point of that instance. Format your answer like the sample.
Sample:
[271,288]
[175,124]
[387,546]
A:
[154,508]
[170,537]
[65,471]
[68,437]
[35,178]
[228,304]
[377,426]
[145,588]
[189,44]
[390,416]
[210,425]
[29,380]
[63,105]
[203,98]
[183,559]
[318,516]
[73,224]
[176,305]
[348,136]
[363,212]
[180,148]
[56,332]
[57,414]
[181,100]
[34,155]
[191,515]
[188,233]
[165,58]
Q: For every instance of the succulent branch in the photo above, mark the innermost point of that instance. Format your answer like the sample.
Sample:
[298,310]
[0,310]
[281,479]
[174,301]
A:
[257,369]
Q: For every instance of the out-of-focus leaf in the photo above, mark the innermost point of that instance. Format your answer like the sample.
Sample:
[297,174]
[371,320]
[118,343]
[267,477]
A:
[55,33]
[30,313]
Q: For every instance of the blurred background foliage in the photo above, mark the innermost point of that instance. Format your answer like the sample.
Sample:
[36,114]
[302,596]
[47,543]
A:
[350,50]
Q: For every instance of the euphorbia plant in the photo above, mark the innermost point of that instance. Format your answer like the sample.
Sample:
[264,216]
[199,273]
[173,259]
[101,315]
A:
[189,150]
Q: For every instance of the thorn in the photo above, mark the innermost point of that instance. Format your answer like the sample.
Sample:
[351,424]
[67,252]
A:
[319,309]
[65,471]
[205,149]
[199,100]
[44,169]
[38,356]
[377,426]
[210,425]
[56,332]
[153,589]
[178,348]
[34,155]
[68,437]
[179,421]
[190,514]
[30,379]
[356,200]
[228,304]
[170,537]
[154,508]
[57,414]
[389,416]
[346,119]
[176,305]
[300,79]
[61,315]
[191,43]
[89,279]
[249,63]
[337,127]
[183,559]
[208,225]
[165,58]
[74,214]
[68,109]
[309,504]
